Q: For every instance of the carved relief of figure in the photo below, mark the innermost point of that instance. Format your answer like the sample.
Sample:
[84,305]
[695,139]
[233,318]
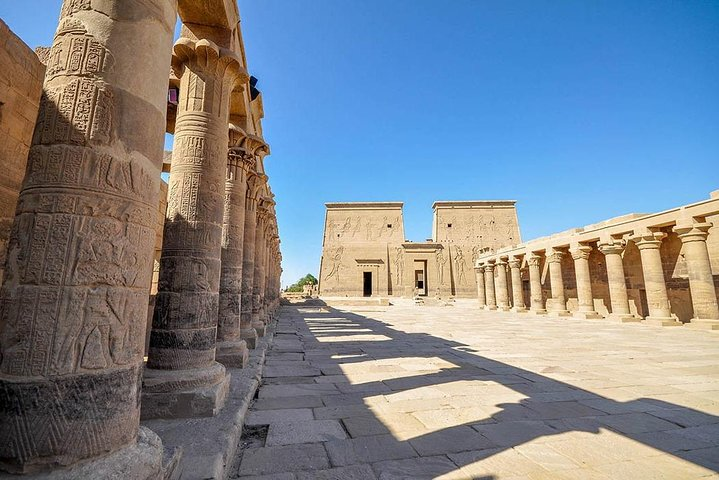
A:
[441,262]
[356,229]
[382,227]
[370,231]
[347,226]
[336,265]
[399,265]
[475,254]
[460,265]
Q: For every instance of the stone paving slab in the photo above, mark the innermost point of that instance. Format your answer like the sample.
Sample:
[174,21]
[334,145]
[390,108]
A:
[429,392]
[304,431]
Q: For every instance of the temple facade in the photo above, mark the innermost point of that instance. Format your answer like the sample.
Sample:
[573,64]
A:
[365,252]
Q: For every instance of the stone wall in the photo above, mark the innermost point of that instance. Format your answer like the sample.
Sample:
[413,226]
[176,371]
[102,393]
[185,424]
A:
[21,76]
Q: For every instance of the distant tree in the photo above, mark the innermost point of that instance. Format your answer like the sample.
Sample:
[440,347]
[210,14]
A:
[308,279]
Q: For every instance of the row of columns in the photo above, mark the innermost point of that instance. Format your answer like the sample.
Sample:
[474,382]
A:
[220,228]
[73,305]
[493,292]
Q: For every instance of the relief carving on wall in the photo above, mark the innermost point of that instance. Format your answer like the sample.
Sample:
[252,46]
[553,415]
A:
[336,264]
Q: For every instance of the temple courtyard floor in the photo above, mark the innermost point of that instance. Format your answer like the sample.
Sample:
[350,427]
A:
[410,392]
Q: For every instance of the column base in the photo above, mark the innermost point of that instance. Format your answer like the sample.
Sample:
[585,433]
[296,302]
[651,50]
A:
[141,460]
[490,307]
[249,335]
[184,393]
[260,328]
[703,324]
[232,354]
[503,308]
[519,309]
[588,315]
[559,313]
[482,306]
[624,317]
[662,321]
[538,311]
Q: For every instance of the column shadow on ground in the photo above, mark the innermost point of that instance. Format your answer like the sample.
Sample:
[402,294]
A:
[549,400]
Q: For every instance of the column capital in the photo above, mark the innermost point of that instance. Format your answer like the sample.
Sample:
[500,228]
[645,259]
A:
[515,262]
[490,266]
[534,260]
[611,248]
[479,268]
[581,252]
[206,57]
[648,240]
[502,260]
[692,232]
[554,256]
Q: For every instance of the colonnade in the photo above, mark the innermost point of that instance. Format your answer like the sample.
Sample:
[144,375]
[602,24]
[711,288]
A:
[494,286]
[77,278]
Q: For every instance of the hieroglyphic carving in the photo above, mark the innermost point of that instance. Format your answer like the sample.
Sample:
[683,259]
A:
[70,7]
[75,113]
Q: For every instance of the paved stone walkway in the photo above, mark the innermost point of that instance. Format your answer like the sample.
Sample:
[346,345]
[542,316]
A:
[457,393]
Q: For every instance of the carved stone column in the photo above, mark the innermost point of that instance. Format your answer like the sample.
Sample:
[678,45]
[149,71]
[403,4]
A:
[559,301]
[536,299]
[481,294]
[501,285]
[182,378]
[517,291]
[617,283]
[580,255]
[248,333]
[231,348]
[257,321]
[73,308]
[660,312]
[489,286]
[701,283]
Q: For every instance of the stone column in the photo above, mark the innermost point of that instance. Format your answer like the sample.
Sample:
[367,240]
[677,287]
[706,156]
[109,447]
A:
[701,282]
[481,294]
[580,255]
[248,333]
[617,283]
[559,302]
[73,307]
[649,244]
[257,322]
[501,285]
[517,291]
[489,286]
[231,348]
[182,378]
[536,300]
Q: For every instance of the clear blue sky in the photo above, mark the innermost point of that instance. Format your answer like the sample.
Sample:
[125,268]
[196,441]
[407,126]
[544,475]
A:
[580,111]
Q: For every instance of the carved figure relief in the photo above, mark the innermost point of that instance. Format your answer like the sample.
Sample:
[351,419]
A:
[336,264]
[441,262]
[399,265]
[460,266]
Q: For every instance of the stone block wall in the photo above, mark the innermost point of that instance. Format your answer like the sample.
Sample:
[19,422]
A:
[21,76]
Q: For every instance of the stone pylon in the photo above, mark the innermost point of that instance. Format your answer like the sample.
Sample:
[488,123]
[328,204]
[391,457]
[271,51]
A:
[74,301]
[183,379]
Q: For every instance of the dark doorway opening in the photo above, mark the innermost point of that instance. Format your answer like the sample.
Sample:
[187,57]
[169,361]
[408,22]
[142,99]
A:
[367,284]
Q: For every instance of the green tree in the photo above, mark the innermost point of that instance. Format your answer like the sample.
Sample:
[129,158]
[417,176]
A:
[308,279]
